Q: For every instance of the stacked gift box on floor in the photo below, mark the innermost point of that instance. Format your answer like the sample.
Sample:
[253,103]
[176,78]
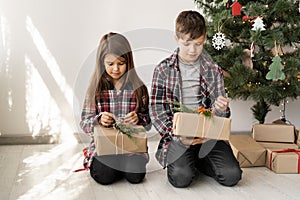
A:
[298,141]
[247,151]
[277,134]
[282,155]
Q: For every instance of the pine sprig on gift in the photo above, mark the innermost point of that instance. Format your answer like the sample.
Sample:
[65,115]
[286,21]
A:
[179,107]
[207,112]
[128,129]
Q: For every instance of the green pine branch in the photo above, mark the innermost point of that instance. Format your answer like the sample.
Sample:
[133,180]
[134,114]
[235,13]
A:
[128,130]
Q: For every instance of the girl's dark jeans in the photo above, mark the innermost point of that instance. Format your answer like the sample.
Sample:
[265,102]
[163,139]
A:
[110,168]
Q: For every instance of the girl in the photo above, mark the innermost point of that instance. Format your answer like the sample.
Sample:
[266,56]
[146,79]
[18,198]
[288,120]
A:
[115,91]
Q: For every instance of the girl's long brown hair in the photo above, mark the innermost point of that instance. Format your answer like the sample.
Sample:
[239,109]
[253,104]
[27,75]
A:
[115,43]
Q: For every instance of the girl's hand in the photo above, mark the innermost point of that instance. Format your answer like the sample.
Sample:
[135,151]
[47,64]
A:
[107,119]
[131,118]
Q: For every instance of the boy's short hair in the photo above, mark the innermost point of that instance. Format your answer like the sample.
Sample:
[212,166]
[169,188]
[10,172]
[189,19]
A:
[190,22]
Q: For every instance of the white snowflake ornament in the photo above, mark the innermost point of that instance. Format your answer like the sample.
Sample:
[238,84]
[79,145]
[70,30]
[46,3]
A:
[218,40]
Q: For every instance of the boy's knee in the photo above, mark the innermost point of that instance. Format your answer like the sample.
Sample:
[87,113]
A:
[180,177]
[229,176]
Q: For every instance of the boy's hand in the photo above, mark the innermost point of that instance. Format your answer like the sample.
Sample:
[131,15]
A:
[131,118]
[222,103]
[107,119]
[192,141]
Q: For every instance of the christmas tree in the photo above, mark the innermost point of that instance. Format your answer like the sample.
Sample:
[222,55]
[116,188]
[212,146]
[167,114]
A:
[261,37]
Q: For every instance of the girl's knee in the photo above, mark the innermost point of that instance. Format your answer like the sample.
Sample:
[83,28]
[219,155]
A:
[102,178]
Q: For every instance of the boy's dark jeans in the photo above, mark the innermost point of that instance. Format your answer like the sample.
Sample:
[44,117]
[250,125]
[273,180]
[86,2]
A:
[213,158]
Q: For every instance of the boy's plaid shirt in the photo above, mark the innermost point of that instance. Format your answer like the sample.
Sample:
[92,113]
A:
[113,102]
[166,88]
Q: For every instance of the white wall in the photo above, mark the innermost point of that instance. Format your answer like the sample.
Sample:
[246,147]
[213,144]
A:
[47,53]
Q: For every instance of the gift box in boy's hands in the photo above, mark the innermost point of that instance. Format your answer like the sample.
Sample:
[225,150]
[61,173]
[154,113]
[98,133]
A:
[273,133]
[198,125]
[247,151]
[109,141]
[283,161]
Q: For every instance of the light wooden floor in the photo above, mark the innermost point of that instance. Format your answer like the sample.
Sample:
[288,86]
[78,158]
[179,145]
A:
[46,172]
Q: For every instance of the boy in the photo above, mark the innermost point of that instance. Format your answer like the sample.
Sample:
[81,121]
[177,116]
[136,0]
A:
[190,77]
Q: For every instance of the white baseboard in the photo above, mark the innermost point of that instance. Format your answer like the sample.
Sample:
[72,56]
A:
[28,139]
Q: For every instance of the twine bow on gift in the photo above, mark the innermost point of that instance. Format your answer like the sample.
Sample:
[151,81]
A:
[128,130]
[208,126]
[122,142]
[214,126]
[286,151]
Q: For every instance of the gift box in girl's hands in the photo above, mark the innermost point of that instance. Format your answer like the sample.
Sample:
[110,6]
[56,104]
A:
[111,141]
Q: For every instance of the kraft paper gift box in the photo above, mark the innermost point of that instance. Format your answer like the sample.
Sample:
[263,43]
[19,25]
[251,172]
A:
[198,125]
[247,151]
[298,141]
[283,161]
[110,141]
[273,133]
[277,145]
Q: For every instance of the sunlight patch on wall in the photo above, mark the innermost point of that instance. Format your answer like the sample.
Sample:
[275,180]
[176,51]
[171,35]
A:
[50,60]
[5,69]
[42,113]
[67,133]
[61,117]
